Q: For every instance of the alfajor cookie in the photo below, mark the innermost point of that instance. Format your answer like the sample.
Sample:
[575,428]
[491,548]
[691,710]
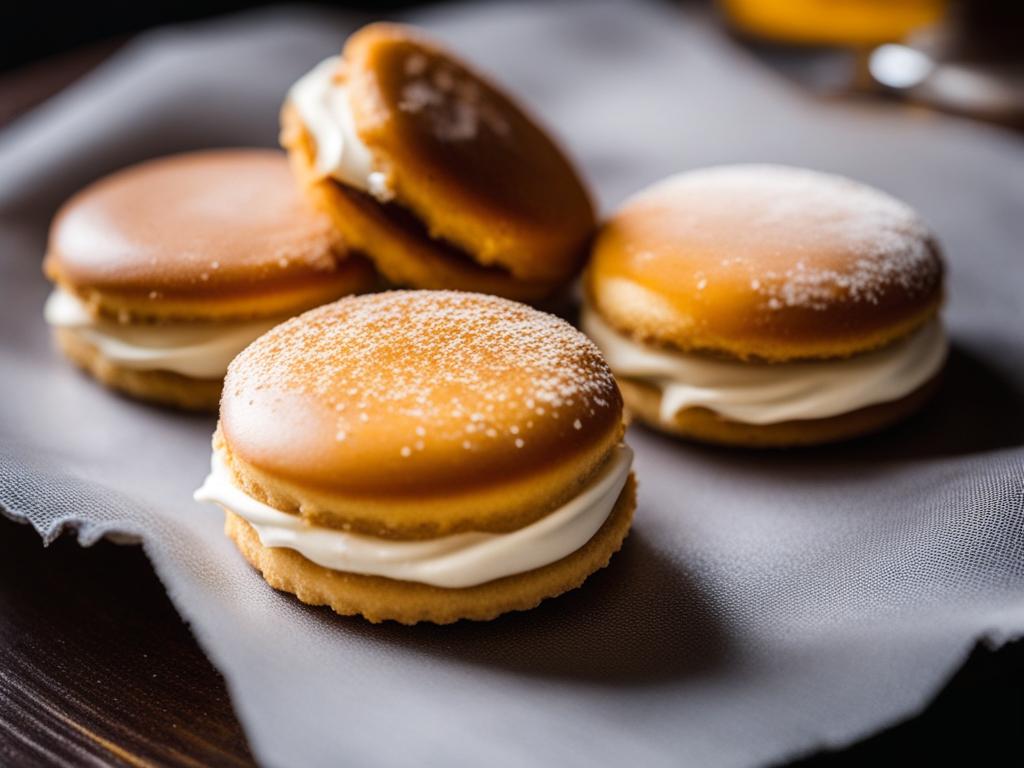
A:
[433,172]
[423,456]
[166,270]
[767,305]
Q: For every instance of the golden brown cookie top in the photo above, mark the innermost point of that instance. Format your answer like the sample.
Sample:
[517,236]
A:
[214,226]
[416,394]
[464,157]
[401,250]
[765,261]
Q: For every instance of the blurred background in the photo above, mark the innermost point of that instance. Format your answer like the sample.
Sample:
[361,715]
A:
[961,56]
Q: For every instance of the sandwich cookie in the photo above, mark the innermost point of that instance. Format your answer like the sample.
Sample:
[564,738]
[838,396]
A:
[166,270]
[433,172]
[767,305]
[423,456]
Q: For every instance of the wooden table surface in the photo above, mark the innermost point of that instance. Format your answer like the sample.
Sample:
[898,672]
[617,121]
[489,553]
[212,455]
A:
[97,668]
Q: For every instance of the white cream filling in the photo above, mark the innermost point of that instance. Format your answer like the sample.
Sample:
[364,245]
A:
[325,111]
[459,560]
[765,393]
[197,349]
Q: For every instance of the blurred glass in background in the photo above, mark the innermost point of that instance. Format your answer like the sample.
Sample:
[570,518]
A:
[963,56]
[832,22]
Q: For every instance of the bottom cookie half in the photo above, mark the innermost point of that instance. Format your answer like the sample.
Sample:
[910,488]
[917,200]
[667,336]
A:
[164,387]
[380,599]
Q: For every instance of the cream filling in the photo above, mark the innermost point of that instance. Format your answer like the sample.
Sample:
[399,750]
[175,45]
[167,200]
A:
[326,113]
[201,350]
[459,560]
[766,393]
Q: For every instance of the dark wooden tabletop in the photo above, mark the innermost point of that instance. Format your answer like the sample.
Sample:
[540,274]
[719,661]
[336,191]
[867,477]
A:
[97,668]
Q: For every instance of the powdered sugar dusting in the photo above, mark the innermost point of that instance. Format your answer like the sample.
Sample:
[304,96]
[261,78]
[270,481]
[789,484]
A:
[466,368]
[453,100]
[816,238]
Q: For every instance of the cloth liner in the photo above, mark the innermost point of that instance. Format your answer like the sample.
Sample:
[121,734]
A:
[766,604]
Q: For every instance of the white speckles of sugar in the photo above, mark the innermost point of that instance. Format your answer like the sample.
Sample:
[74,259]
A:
[417,96]
[892,243]
[415,65]
[520,442]
[452,366]
[452,100]
[853,243]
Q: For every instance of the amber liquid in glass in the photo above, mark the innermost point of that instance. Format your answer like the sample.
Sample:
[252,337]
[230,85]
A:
[852,23]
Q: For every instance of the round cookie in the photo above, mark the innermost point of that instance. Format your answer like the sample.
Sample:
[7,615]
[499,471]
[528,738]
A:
[765,262]
[742,292]
[448,183]
[424,417]
[165,269]
[379,405]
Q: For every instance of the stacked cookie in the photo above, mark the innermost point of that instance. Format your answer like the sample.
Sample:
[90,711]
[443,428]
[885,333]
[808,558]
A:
[423,455]
[767,306]
[433,173]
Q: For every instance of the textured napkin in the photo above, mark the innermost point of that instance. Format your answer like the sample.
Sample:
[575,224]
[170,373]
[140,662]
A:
[766,603]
